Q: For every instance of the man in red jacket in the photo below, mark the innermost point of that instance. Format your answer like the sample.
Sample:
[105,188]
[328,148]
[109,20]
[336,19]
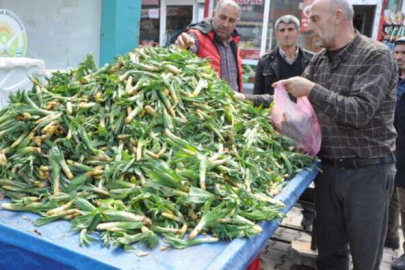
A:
[216,38]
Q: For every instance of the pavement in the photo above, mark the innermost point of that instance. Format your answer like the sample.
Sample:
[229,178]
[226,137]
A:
[279,255]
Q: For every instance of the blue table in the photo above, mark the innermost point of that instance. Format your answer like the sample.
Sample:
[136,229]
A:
[24,246]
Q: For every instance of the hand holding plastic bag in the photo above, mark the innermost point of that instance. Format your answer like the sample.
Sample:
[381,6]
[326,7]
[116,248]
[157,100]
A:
[297,121]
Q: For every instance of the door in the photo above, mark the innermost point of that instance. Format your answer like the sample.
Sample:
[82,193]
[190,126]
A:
[176,16]
[363,19]
[367,15]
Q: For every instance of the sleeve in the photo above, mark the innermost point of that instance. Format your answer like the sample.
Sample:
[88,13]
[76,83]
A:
[372,82]
[263,100]
[309,70]
[258,87]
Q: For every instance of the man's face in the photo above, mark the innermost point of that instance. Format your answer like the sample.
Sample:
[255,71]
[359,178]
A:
[287,34]
[399,55]
[321,24]
[224,21]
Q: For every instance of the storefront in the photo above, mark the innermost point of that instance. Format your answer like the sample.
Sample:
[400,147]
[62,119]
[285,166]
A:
[59,32]
[391,24]
[175,15]
[63,32]
[108,28]
[258,17]
[170,15]
[256,25]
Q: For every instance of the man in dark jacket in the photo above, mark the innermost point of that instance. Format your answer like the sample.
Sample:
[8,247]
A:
[216,38]
[397,203]
[287,61]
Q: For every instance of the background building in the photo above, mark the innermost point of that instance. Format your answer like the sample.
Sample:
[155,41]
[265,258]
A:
[63,32]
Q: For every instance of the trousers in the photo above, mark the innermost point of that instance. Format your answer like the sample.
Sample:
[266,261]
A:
[351,208]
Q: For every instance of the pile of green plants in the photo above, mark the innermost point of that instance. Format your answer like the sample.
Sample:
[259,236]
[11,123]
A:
[154,143]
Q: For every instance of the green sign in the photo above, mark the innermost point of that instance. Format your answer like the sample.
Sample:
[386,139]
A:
[13,39]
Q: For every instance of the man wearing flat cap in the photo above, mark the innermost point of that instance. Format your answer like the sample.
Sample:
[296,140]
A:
[397,203]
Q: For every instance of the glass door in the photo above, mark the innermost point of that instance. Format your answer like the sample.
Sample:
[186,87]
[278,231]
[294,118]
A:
[150,23]
[177,15]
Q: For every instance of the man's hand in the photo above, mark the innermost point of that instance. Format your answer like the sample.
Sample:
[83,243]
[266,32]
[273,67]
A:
[297,86]
[184,41]
[240,96]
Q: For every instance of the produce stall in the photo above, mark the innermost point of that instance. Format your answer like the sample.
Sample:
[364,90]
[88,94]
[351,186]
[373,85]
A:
[149,155]
[23,246]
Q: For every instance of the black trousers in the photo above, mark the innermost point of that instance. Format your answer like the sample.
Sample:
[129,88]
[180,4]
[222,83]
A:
[307,200]
[352,211]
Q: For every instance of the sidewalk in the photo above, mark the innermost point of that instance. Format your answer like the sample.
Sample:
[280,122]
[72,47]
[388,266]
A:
[279,255]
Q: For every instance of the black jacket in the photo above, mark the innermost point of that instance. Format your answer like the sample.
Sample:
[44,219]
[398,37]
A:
[399,124]
[267,73]
[268,69]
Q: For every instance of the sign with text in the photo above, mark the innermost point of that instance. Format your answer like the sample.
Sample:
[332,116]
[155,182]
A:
[150,2]
[247,2]
[13,39]
[154,13]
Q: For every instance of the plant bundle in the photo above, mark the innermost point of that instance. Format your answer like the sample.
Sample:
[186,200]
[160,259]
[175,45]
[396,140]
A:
[154,143]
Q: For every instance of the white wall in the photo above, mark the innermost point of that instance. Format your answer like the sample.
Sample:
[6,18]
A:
[60,32]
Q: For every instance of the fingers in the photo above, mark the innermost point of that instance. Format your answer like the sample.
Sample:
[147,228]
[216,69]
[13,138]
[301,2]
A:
[184,41]
[180,42]
[190,40]
[240,96]
[274,85]
[287,82]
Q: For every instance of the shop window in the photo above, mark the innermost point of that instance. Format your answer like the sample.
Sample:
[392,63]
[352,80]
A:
[178,18]
[250,28]
[150,23]
[363,19]
[248,72]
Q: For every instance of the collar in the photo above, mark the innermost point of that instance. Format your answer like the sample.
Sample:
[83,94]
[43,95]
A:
[205,27]
[350,48]
[216,38]
[289,60]
[347,51]
[399,76]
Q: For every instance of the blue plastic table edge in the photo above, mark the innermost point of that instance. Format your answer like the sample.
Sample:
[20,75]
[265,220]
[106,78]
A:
[46,249]
[289,195]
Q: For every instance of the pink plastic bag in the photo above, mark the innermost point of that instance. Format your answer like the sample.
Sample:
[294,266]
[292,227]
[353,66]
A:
[297,121]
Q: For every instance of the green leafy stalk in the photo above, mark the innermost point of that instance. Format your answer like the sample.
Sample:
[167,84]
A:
[210,216]
[182,244]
